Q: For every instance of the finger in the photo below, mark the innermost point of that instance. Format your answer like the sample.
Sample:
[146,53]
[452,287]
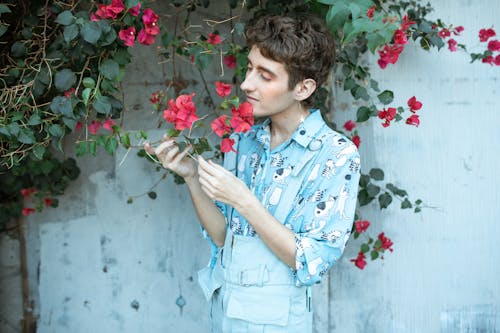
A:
[164,145]
[180,156]
[148,148]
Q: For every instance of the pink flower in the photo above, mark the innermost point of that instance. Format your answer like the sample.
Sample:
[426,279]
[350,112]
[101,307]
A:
[230,61]
[386,242]
[444,33]
[356,140]
[387,115]
[389,54]
[134,11]
[94,126]
[494,45]
[69,92]
[452,45]
[28,211]
[497,60]
[155,97]
[109,11]
[370,11]
[94,18]
[226,145]
[214,39]
[413,120]
[108,124]
[222,89]
[48,202]
[144,38]
[127,36]
[485,34]
[77,126]
[242,117]
[349,125]
[220,126]
[27,192]
[488,60]
[361,226]
[116,6]
[360,261]
[150,20]
[400,37]
[182,112]
[413,104]
[458,30]
[405,25]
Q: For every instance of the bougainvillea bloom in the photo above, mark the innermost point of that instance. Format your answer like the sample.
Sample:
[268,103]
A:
[452,45]
[144,38]
[214,39]
[110,11]
[77,126]
[222,89]
[494,45]
[134,11]
[150,19]
[242,117]
[27,192]
[361,226]
[69,92]
[370,11]
[230,61]
[94,126]
[181,112]
[127,36]
[108,124]
[386,242]
[444,33]
[413,104]
[349,125]
[405,25]
[458,30]
[497,60]
[28,211]
[356,140]
[400,37]
[389,55]
[488,60]
[226,145]
[220,126]
[387,115]
[48,202]
[413,120]
[360,261]
[485,34]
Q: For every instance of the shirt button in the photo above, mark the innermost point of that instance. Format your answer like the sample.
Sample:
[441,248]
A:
[302,132]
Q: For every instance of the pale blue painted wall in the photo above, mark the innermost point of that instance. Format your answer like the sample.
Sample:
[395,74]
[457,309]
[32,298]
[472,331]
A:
[100,265]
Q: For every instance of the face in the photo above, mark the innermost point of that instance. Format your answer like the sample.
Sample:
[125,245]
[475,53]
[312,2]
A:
[266,86]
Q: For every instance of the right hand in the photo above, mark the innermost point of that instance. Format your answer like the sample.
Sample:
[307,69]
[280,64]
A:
[172,158]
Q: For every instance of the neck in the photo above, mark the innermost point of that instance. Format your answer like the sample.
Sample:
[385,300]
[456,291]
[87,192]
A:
[284,124]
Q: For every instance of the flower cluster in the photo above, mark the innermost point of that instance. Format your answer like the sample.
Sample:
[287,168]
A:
[390,52]
[445,33]
[349,126]
[390,114]
[29,194]
[493,46]
[181,112]
[382,244]
[96,124]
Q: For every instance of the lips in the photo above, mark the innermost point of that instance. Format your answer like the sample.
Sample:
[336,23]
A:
[252,99]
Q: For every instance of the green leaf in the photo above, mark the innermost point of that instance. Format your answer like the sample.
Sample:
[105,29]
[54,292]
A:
[374,255]
[111,145]
[122,57]
[130,200]
[364,180]
[88,82]
[374,40]
[360,92]
[86,95]
[406,204]
[386,97]
[35,119]
[3,29]
[418,202]
[126,140]
[65,79]
[364,198]
[91,32]
[62,105]
[152,194]
[418,209]
[70,32]
[109,69]
[81,148]
[377,174]
[18,49]
[365,248]
[69,122]
[363,114]
[4,9]
[26,136]
[102,104]
[38,152]
[397,191]
[92,147]
[384,200]
[372,190]
[65,18]
[374,85]
[349,83]
[56,130]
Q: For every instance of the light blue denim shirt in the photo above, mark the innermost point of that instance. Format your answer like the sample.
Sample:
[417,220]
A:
[320,211]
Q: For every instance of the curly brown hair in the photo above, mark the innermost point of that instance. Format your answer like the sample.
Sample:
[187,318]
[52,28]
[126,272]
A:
[302,43]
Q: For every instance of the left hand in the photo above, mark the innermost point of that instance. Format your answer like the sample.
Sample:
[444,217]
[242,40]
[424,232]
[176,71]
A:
[220,184]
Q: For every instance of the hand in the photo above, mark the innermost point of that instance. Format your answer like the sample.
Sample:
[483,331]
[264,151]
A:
[220,184]
[172,158]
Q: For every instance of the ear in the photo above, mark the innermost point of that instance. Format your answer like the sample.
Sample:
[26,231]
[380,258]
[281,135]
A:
[304,89]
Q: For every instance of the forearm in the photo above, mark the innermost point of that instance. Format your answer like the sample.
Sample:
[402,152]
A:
[279,239]
[209,215]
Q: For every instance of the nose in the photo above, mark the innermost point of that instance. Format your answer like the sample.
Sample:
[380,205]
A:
[247,84]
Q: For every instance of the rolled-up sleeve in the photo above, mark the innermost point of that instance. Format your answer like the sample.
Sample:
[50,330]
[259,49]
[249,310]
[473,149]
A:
[327,211]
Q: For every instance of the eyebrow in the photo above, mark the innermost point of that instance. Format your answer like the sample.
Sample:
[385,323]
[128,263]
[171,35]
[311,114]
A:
[265,69]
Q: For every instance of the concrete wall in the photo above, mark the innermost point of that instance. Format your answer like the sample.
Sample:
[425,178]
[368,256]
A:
[99,264]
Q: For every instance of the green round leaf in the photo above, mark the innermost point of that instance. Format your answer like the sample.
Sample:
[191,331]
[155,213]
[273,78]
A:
[4,8]
[70,32]
[384,200]
[109,69]
[152,195]
[38,152]
[65,18]
[65,79]
[103,105]
[372,190]
[88,82]
[62,105]
[3,29]
[91,32]
[363,114]
[56,130]
[18,49]
[386,97]
[86,95]
[377,174]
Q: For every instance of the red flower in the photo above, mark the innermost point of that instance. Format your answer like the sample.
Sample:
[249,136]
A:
[94,18]
[413,120]
[494,45]
[497,60]
[356,140]
[388,115]
[230,61]
[116,6]
[144,38]
[110,11]
[108,124]
[361,226]
[458,30]
[242,117]
[214,39]
[406,23]
[134,11]
[349,125]
[413,104]
[28,211]
[220,126]
[170,114]
[386,242]
[488,60]
[27,192]
[370,11]
[452,45]
[48,202]
[389,54]
[127,36]
[182,112]
[155,97]
[77,126]
[150,20]
[400,37]
[226,145]
[69,92]
[444,33]
[222,89]
[94,126]
[485,34]
[360,261]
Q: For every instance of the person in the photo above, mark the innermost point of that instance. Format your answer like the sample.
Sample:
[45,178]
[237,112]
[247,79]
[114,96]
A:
[280,210]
